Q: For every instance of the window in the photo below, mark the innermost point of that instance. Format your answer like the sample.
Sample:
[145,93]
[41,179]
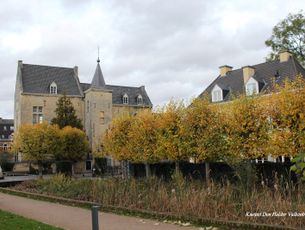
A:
[53,88]
[4,128]
[37,114]
[217,96]
[251,88]
[102,117]
[11,128]
[125,99]
[139,100]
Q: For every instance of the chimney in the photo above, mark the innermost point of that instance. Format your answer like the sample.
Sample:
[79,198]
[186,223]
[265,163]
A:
[248,72]
[20,63]
[284,56]
[75,68]
[224,70]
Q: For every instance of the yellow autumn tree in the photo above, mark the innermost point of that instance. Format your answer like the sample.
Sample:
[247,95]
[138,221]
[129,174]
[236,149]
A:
[287,136]
[173,141]
[114,142]
[142,139]
[75,145]
[206,128]
[38,142]
[247,127]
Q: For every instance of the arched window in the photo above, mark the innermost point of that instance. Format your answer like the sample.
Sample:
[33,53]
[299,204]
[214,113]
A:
[53,88]
[139,99]
[125,99]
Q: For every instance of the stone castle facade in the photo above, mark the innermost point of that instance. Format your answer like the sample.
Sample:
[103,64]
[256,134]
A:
[38,88]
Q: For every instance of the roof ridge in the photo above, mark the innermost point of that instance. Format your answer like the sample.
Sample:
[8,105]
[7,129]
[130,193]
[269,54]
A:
[61,67]
[125,86]
[256,65]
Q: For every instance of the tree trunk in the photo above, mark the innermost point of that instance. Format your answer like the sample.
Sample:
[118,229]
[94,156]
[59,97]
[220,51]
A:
[177,167]
[40,169]
[72,169]
[147,170]
[207,172]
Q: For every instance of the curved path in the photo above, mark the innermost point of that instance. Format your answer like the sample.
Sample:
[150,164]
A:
[74,218]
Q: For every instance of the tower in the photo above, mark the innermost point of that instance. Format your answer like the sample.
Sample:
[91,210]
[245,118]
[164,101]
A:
[98,108]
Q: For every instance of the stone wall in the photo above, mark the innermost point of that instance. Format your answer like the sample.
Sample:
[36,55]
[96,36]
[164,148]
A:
[48,103]
[98,115]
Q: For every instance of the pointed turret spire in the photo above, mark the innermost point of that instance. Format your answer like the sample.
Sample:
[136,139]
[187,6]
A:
[98,79]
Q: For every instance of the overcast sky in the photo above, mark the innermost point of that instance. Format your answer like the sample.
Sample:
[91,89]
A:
[173,47]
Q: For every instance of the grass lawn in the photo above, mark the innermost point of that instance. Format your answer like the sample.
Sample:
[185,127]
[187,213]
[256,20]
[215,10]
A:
[9,221]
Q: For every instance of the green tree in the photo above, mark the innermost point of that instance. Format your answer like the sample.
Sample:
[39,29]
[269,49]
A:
[288,34]
[74,145]
[65,114]
[38,142]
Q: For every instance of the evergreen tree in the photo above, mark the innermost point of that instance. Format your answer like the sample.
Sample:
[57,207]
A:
[65,114]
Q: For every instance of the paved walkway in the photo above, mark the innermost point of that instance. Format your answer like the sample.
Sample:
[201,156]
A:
[73,218]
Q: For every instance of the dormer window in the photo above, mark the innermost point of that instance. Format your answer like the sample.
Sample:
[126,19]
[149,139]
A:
[53,88]
[125,99]
[217,94]
[251,87]
[139,100]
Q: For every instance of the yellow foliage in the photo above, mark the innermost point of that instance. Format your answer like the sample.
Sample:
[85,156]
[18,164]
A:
[37,142]
[74,142]
[173,138]
[246,128]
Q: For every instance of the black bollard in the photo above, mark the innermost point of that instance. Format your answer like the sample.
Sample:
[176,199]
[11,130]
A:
[94,213]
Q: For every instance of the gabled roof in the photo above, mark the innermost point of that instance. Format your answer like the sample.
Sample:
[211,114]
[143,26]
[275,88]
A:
[119,91]
[37,79]
[265,74]
[98,78]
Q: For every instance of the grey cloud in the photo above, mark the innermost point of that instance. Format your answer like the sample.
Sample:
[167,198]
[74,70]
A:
[173,47]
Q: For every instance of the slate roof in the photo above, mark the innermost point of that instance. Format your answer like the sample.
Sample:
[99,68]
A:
[37,79]
[98,78]
[265,74]
[119,91]
[6,121]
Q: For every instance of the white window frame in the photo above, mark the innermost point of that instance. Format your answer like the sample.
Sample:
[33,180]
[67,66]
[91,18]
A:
[217,94]
[251,87]
[125,99]
[53,88]
[139,99]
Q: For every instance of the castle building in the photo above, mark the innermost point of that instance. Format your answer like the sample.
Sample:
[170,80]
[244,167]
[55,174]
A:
[38,88]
